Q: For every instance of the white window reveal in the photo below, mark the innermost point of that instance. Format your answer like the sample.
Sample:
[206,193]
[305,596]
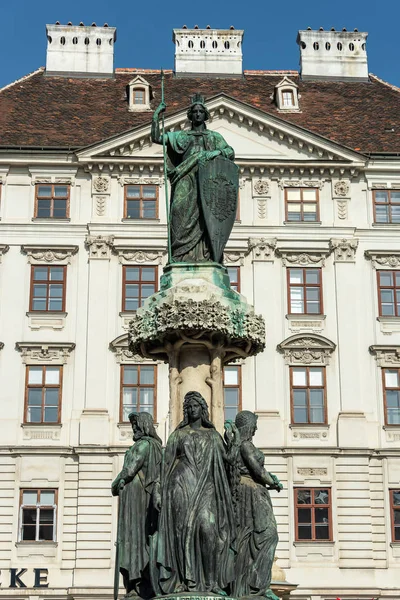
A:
[286,95]
[139,94]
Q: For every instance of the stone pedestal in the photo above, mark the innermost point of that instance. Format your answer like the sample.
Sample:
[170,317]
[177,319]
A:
[197,324]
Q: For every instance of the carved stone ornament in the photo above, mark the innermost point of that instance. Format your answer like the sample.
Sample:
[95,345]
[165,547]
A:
[3,249]
[37,353]
[100,205]
[310,349]
[344,250]
[122,353]
[99,246]
[101,184]
[207,317]
[49,254]
[296,257]
[315,183]
[342,209]
[262,248]
[307,472]
[234,257]
[128,255]
[341,188]
[1,345]
[383,259]
[142,180]
[261,208]
[260,187]
[386,356]
[53,179]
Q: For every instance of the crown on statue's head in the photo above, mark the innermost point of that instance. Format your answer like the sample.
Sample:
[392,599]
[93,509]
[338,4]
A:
[198,99]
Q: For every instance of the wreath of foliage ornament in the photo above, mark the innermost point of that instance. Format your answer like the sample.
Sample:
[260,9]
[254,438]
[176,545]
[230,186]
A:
[190,317]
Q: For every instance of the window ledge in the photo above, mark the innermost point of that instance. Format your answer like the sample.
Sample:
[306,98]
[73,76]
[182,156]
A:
[46,320]
[306,323]
[126,317]
[312,425]
[42,551]
[309,432]
[41,431]
[395,544]
[146,221]
[313,542]
[389,324]
[303,223]
[34,544]
[386,225]
[50,220]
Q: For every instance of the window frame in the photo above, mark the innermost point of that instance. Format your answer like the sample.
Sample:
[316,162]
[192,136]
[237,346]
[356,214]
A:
[141,199]
[304,285]
[42,386]
[302,202]
[393,287]
[143,91]
[237,282]
[312,506]
[47,282]
[138,282]
[389,204]
[308,387]
[38,507]
[138,386]
[237,386]
[384,390]
[287,91]
[394,508]
[52,198]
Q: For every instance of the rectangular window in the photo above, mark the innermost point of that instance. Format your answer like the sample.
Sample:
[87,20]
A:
[391,395]
[308,394]
[304,291]
[138,390]
[389,293]
[302,205]
[288,98]
[313,514]
[141,202]
[138,97]
[52,201]
[386,206]
[234,278]
[232,391]
[38,516]
[138,283]
[48,288]
[395,512]
[43,394]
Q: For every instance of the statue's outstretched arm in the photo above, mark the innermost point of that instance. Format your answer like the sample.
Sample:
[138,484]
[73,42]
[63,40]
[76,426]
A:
[257,471]
[134,460]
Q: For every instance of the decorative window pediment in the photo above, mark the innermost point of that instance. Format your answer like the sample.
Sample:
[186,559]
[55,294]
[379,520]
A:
[286,95]
[139,94]
[39,353]
[384,259]
[308,349]
[49,254]
[386,356]
[309,257]
[122,353]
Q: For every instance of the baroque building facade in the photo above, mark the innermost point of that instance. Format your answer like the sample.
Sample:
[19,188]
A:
[315,248]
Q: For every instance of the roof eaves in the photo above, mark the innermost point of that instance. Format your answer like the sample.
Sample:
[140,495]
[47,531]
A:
[386,83]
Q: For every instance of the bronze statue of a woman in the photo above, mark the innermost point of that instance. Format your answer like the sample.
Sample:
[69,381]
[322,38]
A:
[197,524]
[204,186]
[257,531]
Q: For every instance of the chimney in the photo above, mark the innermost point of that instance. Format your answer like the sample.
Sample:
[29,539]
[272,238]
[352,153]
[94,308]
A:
[80,51]
[208,51]
[336,55]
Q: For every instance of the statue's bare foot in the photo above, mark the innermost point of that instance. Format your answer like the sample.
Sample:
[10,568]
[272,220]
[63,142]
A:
[270,595]
[217,590]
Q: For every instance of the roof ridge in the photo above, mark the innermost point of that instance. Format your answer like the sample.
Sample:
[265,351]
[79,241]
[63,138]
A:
[23,78]
[389,85]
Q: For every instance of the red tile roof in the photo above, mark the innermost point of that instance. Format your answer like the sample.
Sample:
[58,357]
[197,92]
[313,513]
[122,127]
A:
[49,111]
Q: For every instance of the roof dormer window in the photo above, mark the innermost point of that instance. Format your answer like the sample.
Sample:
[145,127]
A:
[286,95]
[139,94]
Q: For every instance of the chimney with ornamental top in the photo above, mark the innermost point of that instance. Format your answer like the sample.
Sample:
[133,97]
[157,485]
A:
[337,55]
[80,51]
[208,51]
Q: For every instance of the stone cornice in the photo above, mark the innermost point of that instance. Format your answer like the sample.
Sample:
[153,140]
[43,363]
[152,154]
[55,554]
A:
[383,259]
[303,257]
[39,254]
[42,353]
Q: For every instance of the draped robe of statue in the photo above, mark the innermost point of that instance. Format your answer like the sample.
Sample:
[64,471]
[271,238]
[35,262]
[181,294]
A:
[138,517]
[189,240]
[197,523]
[258,536]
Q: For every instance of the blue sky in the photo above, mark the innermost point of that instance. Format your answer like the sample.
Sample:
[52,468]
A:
[144,29]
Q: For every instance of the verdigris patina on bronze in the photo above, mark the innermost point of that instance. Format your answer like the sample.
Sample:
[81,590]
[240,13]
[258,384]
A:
[257,532]
[137,514]
[204,186]
[195,540]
